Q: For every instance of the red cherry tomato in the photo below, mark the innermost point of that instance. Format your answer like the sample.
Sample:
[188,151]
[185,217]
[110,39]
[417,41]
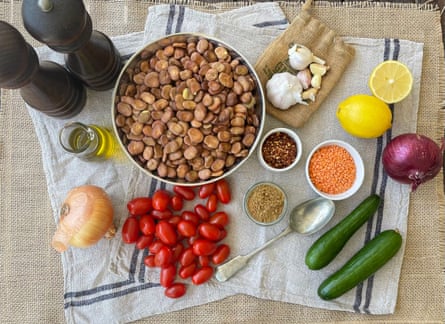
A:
[203,247]
[202,212]
[168,275]
[212,203]
[160,200]
[130,230]
[164,214]
[149,261]
[223,191]
[206,190]
[185,192]
[188,271]
[190,216]
[186,228]
[144,241]
[155,246]
[222,235]
[192,239]
[177,202]
[202,275]
[164,257]
[203,260]
[166,232]
[174,220]
[177,250]
[176,290]
[209,231]
[221,254]
[219,218]
[139,206]
[187,257]
[147,225]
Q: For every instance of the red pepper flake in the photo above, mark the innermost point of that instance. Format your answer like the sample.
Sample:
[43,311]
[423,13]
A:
[279,150]
[332,169]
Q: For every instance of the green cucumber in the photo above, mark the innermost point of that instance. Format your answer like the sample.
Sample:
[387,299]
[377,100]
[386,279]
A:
[326,248]
[362,265]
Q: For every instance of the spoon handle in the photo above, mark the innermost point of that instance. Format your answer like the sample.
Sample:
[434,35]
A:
[228,269]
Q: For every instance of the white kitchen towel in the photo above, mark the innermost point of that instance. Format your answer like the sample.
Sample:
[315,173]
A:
[109,282]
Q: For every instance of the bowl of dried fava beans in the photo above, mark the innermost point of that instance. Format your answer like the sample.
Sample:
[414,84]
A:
[188,109]
[335,170]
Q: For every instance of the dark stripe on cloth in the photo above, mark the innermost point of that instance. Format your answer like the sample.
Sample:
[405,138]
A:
[171,15]
[271,23]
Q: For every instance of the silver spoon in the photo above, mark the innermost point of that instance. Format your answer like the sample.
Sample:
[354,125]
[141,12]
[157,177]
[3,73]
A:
[306,218]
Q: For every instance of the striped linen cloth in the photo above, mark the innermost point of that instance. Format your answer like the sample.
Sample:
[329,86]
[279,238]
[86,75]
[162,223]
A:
[108,283]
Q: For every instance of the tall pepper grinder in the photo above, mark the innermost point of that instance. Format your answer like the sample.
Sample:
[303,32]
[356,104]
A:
[66,27]
[45,86]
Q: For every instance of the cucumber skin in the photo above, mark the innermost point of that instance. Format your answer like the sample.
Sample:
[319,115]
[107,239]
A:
[362,265]
[326,248]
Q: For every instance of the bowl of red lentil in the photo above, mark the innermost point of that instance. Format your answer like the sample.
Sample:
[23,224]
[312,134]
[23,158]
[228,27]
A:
[280,149]
[335,170]
[265,203]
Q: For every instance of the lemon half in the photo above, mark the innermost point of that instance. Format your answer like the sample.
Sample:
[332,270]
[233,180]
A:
[364,116]
[391,81]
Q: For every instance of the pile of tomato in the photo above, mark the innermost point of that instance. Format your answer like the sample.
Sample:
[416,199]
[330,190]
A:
[184,242]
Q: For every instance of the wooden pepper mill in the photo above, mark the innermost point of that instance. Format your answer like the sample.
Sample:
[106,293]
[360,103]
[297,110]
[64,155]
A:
[66,27]
[47,86]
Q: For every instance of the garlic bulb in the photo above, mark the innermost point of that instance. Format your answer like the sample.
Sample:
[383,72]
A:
[284,90]
[300,57]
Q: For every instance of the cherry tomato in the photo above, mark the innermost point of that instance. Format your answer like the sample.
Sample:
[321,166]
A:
[164,257]
[160,200]
[188,271]
[174,220]
[147,225]
[209,231]
[203,247]
[222,234]
[130,230]
[177,202]
[177,250]
[202,212]
[221,254]
[155,246]
[223,191]
[144,241]
[203,260]
[187,257]
[168,275]
[190,216]
[219,218]
[149,261]
[158,215]
[186,228]
[212,203]
[166,232]
[139,206]
[185,192]
[192,239]
[206,189]
[202,275]
[176,290]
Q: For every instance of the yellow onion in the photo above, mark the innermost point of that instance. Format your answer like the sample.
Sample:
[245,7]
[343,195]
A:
[86,216]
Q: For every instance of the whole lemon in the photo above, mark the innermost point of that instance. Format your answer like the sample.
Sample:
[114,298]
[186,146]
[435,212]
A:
[364,116]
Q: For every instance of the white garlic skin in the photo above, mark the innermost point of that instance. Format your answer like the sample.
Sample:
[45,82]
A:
[284,90]
[300,57]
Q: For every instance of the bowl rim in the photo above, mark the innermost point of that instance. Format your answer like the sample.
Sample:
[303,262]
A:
[260,94]
[246,196]
[360,169]
[294,136]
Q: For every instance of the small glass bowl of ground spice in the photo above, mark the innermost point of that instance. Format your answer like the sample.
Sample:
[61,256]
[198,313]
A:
[335,170]
[280,149]
[265,203]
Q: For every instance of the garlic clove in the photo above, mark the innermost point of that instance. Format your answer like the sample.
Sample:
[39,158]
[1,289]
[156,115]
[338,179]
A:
[317,68]
[300,57]
[309,94]
[316,81]
[305,77]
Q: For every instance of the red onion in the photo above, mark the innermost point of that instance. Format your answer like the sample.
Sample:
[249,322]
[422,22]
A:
[412,159]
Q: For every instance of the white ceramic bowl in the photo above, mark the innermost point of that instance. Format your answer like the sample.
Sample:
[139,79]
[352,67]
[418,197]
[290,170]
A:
[295,138]
[359,167]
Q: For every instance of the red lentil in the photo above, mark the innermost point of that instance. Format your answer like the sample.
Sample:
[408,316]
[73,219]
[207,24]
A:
[332,169]
[279,150]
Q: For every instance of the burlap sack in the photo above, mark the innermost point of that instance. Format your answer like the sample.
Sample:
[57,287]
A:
[324,43]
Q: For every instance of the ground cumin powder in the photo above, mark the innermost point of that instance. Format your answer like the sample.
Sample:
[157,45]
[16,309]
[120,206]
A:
[265,203]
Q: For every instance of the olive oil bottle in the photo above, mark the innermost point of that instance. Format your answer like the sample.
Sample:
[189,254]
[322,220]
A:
[87,141]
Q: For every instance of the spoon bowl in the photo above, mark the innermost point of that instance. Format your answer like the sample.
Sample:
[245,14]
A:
[305,219]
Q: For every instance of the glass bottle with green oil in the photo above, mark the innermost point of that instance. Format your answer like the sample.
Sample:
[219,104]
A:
[87,141]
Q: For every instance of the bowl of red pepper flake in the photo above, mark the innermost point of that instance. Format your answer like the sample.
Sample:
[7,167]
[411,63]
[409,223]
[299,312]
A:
[335,170]
[280,149]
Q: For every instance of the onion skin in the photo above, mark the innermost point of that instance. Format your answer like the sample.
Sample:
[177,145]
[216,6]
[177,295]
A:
[86,216]
[412,159]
